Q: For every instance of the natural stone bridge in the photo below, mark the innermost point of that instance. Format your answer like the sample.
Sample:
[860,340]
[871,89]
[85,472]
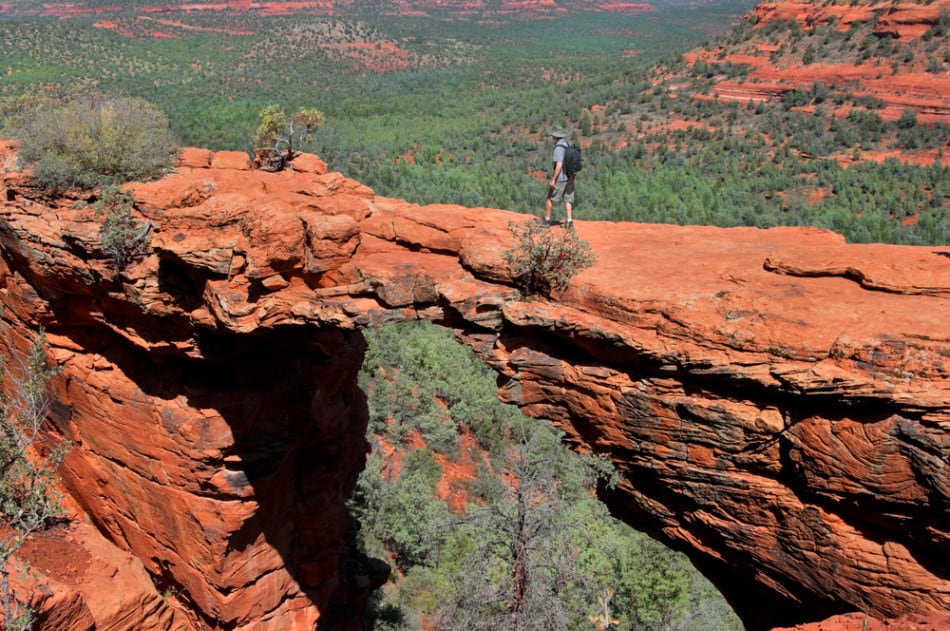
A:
[776,400]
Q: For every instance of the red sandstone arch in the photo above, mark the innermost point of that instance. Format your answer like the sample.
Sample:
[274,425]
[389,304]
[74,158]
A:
[777,399]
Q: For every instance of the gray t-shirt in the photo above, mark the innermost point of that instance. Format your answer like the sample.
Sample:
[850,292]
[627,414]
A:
[559,148]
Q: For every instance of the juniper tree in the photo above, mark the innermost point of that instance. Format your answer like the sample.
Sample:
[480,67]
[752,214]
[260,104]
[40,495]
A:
[279,135]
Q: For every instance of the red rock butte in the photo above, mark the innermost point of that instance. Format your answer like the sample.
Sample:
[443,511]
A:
[777,401]
[916,88]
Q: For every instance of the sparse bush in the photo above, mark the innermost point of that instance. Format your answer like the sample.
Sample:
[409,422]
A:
[28,501]
[12,108]
[544,261]
[908,119]
[123,238]
[808,57]
[820,92]
[921,136]
[795,98]
[94,141]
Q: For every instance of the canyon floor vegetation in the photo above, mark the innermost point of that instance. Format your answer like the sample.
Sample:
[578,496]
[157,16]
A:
[489,521]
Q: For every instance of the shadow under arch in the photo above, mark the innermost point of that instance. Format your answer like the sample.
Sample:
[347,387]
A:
[282,422]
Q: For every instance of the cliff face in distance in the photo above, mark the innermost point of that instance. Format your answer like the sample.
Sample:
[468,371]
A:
[776,400]
[866,65]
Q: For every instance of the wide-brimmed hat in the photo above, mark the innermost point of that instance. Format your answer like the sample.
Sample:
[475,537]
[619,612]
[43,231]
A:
[557,132]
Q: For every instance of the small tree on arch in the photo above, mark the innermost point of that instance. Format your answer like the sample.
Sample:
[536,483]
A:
[543,261]
[280,135]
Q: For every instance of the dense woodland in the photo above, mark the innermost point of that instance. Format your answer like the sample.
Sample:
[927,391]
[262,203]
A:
[435,110]
[455,111]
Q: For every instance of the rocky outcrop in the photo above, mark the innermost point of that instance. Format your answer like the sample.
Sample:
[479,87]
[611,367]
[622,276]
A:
[775,66]
[776,400]
[904,19]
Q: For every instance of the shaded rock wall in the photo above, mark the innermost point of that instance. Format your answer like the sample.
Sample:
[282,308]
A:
[221,463]
[776,400]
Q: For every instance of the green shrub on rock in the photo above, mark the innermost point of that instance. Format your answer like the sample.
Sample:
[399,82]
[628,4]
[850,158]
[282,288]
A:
[544,261]
[29,501]
[123,237]
[279,135]
[94,141]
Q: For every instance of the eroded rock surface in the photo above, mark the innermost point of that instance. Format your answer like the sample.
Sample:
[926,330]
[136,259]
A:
[917,87]
[777,401]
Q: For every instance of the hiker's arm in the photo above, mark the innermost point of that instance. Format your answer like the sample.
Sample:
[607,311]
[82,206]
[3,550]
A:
[557,172]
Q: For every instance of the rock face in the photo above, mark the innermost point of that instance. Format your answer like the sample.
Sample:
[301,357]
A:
[774,69]
[777,401]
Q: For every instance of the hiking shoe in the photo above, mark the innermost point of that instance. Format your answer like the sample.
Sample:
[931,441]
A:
[545,220]
[569,225]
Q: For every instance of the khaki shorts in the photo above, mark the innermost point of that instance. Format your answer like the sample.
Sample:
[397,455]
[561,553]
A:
[562,192]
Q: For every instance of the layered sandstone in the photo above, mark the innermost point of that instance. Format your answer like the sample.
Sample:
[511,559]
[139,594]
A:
[776,66]
[777,401]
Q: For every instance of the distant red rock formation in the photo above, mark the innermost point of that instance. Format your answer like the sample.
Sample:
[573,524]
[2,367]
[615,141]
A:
[913,88]
[409,8]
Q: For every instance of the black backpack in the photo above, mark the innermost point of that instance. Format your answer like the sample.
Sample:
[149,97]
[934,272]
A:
[572,159]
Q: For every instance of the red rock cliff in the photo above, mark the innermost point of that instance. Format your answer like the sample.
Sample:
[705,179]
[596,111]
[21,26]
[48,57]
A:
[777,401]
[774,67]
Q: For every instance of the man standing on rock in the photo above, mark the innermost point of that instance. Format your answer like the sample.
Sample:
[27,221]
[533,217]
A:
[561,185]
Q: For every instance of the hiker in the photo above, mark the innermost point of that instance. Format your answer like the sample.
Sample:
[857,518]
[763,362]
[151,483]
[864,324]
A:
[561,185]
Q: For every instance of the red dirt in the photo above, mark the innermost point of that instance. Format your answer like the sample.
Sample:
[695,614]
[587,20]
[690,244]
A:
[458,472]
[50,552]
[424,8]
[374,56]
[863,622]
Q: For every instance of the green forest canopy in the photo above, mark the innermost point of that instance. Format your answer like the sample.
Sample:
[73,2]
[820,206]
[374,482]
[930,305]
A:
[530,510]
[469,102]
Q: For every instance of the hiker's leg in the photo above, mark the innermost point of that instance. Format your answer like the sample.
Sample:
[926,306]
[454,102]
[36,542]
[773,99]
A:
[569,200]
[555,196]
